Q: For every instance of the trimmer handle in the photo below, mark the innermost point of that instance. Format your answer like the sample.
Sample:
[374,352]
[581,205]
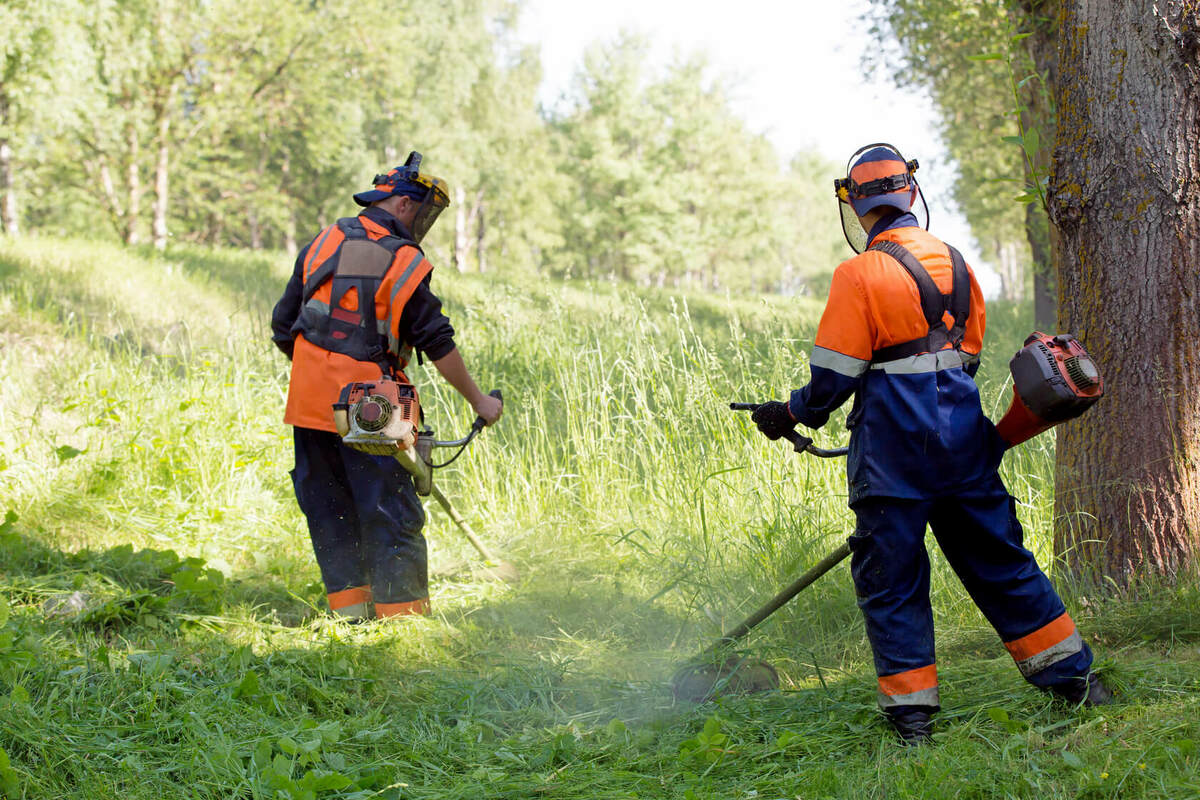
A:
[800,442]
[480,423]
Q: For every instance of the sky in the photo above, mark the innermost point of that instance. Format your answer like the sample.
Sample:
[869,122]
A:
[798,73]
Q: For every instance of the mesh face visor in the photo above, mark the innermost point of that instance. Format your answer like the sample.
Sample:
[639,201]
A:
[435,201]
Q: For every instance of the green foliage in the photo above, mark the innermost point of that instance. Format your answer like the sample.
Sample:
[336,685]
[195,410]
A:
[195,662]
[996,116]
[251,124]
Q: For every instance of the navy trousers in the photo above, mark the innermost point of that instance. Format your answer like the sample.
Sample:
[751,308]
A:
[365,520]
[979,534]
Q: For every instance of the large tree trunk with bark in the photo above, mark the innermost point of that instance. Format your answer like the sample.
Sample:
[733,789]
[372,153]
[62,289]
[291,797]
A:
[1125,198]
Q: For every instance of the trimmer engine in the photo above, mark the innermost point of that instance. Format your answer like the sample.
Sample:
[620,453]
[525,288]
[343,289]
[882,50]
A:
[378,417]
[1054,380]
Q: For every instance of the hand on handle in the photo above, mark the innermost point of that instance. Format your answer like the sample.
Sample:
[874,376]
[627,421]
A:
[489,407]
[774,420]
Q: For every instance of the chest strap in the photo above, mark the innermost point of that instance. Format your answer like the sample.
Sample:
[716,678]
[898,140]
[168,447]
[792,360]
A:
[934,304]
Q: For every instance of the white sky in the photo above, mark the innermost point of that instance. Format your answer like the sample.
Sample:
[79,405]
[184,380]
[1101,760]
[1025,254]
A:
[798,73]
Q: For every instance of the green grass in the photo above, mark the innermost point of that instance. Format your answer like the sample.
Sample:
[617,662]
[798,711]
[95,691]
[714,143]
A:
[143,464]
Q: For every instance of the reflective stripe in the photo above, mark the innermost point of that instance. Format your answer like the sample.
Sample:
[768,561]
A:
[412,607]
[353,611]
[1048,645]
[1051,655]
[842,364]
[925,697]
[318,306]
[926,362]
[317,249]
[403,279]
[350,602]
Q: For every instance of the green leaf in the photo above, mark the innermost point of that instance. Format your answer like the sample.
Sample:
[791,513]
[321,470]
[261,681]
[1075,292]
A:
[987,57]
[10,517]
[1072,760]
[998,714]
[288,745]
[5,612]
[10,782]
[66,452]
[249,685]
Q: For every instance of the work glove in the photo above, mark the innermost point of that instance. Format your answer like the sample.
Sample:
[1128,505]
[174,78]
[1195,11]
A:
[773,419]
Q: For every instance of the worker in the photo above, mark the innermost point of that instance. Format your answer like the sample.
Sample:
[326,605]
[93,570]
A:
[902,332]
[363,513]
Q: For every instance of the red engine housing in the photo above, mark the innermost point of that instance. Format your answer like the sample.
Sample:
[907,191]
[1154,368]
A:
[1054,380]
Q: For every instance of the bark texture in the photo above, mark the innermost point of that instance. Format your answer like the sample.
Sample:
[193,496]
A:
[1125,201]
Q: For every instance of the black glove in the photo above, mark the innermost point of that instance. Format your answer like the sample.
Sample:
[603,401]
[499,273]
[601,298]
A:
[773,419]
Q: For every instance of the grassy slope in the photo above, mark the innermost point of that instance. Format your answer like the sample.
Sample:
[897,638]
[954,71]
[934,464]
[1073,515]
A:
[143,464]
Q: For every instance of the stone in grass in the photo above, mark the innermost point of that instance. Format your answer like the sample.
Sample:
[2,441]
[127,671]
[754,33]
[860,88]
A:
[65,605]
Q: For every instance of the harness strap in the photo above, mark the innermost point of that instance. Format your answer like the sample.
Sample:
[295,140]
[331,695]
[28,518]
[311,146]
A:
[934,304]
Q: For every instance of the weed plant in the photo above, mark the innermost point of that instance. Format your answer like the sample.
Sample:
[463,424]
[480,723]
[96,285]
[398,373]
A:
[161,623]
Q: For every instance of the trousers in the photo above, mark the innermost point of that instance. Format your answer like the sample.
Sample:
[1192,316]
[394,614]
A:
[365,520]
[978,532]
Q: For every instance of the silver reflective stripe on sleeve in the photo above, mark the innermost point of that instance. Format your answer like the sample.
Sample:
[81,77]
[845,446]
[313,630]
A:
[925,697]
[842,364]
[318,306]
[1051,655]
[926,362]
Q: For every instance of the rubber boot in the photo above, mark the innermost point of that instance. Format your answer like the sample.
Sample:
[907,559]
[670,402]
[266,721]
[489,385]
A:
[1088,692]
[913,725]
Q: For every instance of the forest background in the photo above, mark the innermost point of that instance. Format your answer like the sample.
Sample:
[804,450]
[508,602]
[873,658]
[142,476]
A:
[247,125]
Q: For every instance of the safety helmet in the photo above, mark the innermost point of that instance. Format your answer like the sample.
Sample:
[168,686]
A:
[876,175]
[431,193]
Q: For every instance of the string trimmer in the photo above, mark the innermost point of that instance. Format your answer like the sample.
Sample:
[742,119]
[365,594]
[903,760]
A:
[711,672]
[381,418]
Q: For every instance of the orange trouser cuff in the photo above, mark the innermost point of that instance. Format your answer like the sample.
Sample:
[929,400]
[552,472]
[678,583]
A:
[352,602]
[419,606]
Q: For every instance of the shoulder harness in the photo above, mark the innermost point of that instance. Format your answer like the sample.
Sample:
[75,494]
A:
[359,262]
[934,304]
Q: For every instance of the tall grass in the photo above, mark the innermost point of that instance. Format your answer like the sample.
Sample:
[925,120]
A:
[141,404]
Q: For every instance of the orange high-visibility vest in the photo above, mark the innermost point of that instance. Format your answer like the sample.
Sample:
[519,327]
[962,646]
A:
[340,339]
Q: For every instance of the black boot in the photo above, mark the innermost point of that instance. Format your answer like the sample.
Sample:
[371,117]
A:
[914,725]
[1089,692]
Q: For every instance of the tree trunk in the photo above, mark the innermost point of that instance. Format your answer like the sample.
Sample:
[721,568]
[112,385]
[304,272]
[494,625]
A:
[1125,197]
[8,190]
[1045,273]
[160,180]
[480,233]
[133,186]
[1042,23]
[460,228]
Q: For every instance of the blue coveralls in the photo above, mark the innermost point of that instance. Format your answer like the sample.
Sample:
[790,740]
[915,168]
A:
[922,451]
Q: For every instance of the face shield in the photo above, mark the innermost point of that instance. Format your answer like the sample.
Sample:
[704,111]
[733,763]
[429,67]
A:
[436,199]
[877,175]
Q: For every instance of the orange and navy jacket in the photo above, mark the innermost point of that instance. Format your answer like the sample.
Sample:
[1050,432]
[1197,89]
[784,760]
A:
[917,429]
[404,303]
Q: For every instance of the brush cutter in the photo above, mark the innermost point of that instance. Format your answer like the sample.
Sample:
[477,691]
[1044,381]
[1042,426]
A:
[709,673]
[381,418]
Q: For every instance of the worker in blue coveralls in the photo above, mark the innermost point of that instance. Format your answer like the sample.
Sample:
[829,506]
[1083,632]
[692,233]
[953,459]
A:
[901,333]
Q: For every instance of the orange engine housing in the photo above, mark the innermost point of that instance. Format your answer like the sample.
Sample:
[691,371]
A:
[377,417]
[1054,380]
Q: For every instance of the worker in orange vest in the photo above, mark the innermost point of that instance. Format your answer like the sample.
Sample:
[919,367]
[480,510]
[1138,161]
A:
[901,333]
[357,305]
